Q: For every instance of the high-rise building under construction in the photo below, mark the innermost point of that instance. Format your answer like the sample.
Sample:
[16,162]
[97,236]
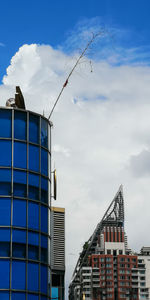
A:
[107,268]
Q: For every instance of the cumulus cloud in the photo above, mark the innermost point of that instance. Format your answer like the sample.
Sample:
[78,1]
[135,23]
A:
[100,137]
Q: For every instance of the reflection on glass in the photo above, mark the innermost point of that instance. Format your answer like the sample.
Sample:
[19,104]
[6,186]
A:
[33,277]
[20,183]
[5,211]
[18,282]
[4,274]
[20,128]
[20,155]
[33,186]
[34,129]
[5,182]
[5,123]
[44,133]
[5,153]
[34,158]
[33,215]
[19,213]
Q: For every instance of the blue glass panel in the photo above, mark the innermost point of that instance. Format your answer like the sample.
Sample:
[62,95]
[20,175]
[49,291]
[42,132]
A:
[45,298]
[44,190]
[20,155]
[44,162]
[33,238]
[5,123]
[44,279]
[19,213]
[34,158]
[33,277]
[19,250]
[44,219]
[33,252]
[4,295]
[19,236]
[33,215]
[4,249]
[4,234]
[5,211]
[20,128]
[4,274]
[18,296]
[5,182]
[5,153]
[20,183]
[32,297]
[33,186]
[54,292]
[44,133]
[34,129]
[18,275]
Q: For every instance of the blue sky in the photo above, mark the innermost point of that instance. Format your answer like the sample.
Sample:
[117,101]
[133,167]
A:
[52,22]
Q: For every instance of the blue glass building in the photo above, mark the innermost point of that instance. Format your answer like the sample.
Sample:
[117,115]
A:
[25,156]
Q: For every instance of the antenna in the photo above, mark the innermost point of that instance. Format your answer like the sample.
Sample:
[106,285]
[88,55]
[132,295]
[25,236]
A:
[94,36]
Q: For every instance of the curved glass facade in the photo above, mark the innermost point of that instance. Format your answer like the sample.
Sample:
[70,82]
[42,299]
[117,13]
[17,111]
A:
[24,205]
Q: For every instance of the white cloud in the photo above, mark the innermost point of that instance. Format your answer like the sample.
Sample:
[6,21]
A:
[101,125]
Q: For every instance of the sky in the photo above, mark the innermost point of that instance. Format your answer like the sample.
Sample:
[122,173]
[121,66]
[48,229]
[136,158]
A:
[101,136]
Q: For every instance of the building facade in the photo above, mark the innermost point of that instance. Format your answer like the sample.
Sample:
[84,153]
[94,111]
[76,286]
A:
[107,268]
[25,155]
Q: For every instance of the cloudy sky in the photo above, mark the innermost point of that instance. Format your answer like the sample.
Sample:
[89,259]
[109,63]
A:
[101,132]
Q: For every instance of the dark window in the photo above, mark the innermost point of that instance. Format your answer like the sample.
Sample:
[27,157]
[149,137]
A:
[20,128]
[19,250]
[5,153]
[33,252]
[20,155]
[19,213]
[34,129]
[4,249]
[33,297]
[33,186]
[4,234]
[34,158]
[43,248]
[44,277]
[20,183]
[5,182]
[18,268]
[5,123]
[33,215]
[19,236]
[44,190]
[44,133]
[4,295]
[4,274]
[33,277]
[5,211]
[33,238]
[44,162]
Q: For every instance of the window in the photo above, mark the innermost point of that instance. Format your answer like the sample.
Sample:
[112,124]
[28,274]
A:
[5,123]
[18,282]
[20,183]
[19,213]
[33,186]
[18,296]
[5,182]
[34,129]
[19,243]
[44,248]
[4,295]
[20,131]
[5,211]
[33,245]
[4,249]
[33,277]
[44,133]
[4,274]
[33,297]
[5,153]
[34,158]
[20,155]
[44,190]
[44,277]
[44,162]
[44,219]
[33,215]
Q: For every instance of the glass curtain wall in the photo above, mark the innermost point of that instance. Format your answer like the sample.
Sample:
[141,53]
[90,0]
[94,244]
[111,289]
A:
[24,205]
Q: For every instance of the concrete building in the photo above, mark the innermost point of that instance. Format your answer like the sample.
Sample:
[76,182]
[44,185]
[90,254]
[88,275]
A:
[107,268]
